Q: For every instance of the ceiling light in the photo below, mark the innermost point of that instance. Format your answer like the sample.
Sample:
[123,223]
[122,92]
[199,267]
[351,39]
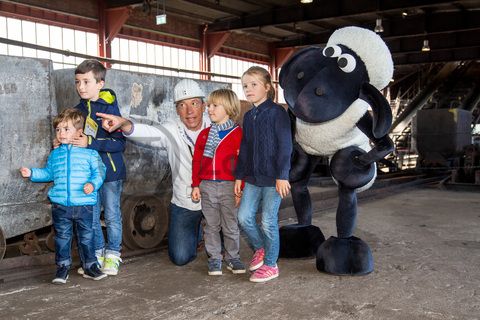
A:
[306,1]
[378,27]
[425,47]
[404,14]
[161,18]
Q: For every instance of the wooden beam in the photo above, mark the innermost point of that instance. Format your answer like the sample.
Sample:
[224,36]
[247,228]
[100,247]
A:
[215,42]
[216,7]
[115,19]
[282,55]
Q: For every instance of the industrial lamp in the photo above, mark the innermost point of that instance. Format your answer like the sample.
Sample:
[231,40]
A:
[378,27]
[425,46]
[306,1]
[161,18]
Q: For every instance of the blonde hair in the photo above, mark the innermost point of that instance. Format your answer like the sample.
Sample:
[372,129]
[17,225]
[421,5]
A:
[71,114]
[264,76]
[228,99]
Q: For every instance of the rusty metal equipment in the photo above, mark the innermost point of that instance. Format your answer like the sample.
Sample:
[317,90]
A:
[27,104]
[440,135]
[3,244]
[145,221]
[30,245]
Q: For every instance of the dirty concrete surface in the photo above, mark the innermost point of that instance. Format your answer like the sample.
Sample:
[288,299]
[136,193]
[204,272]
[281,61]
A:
[425,242]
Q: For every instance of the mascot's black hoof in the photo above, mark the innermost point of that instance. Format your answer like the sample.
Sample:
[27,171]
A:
[300,241]
[345,256]
[346,170]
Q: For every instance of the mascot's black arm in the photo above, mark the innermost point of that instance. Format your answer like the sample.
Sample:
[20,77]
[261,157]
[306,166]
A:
[377,128]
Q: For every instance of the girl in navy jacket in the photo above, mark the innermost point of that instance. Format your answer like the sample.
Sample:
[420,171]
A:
[264,165]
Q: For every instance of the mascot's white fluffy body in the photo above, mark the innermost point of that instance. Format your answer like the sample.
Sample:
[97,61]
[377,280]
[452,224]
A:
[335,134]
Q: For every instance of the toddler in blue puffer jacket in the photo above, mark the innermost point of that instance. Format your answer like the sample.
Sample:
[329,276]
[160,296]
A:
[77,174]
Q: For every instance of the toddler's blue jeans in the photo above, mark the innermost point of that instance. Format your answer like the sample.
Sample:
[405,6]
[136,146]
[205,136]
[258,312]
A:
[65,219]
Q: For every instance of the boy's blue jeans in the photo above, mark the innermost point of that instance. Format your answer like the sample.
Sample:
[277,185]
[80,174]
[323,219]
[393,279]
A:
[268,199]
[183,234]
[64,221]
[109,197]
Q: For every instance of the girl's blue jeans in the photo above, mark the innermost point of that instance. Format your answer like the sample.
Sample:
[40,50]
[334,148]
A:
[267,236]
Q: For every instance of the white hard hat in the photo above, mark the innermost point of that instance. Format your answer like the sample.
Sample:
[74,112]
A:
[187,89]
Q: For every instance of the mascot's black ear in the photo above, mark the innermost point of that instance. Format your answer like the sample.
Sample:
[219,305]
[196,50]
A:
[382,114]
[283,77]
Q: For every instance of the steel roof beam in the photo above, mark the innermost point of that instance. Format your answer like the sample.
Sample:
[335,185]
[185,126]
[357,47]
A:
[319,10]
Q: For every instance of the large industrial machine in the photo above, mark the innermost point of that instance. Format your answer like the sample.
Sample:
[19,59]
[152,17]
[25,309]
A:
[31,94]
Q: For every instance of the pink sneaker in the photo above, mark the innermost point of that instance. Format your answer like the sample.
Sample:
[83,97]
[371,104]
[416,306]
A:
[264,274]
[257,260]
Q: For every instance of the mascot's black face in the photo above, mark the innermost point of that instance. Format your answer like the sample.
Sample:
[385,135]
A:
[319,85]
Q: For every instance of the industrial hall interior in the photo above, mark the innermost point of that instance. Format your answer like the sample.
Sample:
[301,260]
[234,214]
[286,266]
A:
[240,159]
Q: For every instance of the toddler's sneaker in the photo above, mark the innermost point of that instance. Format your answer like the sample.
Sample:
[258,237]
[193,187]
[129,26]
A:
[236,266]
[61,275]
[214,267]
[111,265]
[94,273]
[264,274]
[257,260]
[100,260]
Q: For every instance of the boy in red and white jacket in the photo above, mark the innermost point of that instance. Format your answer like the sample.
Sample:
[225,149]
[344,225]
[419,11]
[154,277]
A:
[213,180]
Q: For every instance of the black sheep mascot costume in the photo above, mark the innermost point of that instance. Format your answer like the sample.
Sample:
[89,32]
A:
[329,92]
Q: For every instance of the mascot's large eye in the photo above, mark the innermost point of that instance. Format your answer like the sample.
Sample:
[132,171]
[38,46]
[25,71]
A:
[347,62]
[332,51]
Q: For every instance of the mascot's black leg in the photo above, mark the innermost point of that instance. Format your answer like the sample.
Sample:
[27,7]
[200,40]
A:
[346,254]
[302,201]
[301,239]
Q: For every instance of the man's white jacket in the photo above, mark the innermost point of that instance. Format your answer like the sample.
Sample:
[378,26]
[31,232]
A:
[172,135]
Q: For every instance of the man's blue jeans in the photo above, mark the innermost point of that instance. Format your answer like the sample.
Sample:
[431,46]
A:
[268,199]
[64,221]
[183,234]
[109,197]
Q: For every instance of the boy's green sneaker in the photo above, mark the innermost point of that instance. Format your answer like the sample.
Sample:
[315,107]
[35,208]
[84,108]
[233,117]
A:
[111,264]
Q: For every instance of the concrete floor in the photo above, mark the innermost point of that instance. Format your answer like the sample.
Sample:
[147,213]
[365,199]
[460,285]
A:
[425,242]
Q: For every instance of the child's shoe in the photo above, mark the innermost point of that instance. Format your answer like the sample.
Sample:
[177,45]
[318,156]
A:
[214,267]
[94,273]
[61,275]
[100,261]
[236,266]
[257,260]
[264,274]
[111,264]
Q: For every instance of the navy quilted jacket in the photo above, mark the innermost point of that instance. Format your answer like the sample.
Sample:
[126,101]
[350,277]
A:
[266,145]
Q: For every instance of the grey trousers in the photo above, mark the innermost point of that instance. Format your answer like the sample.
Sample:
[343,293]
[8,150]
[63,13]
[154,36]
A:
[218,207]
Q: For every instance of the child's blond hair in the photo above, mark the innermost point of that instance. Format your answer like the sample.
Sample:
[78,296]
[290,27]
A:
[71,114]
[228,99]
[264,76]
